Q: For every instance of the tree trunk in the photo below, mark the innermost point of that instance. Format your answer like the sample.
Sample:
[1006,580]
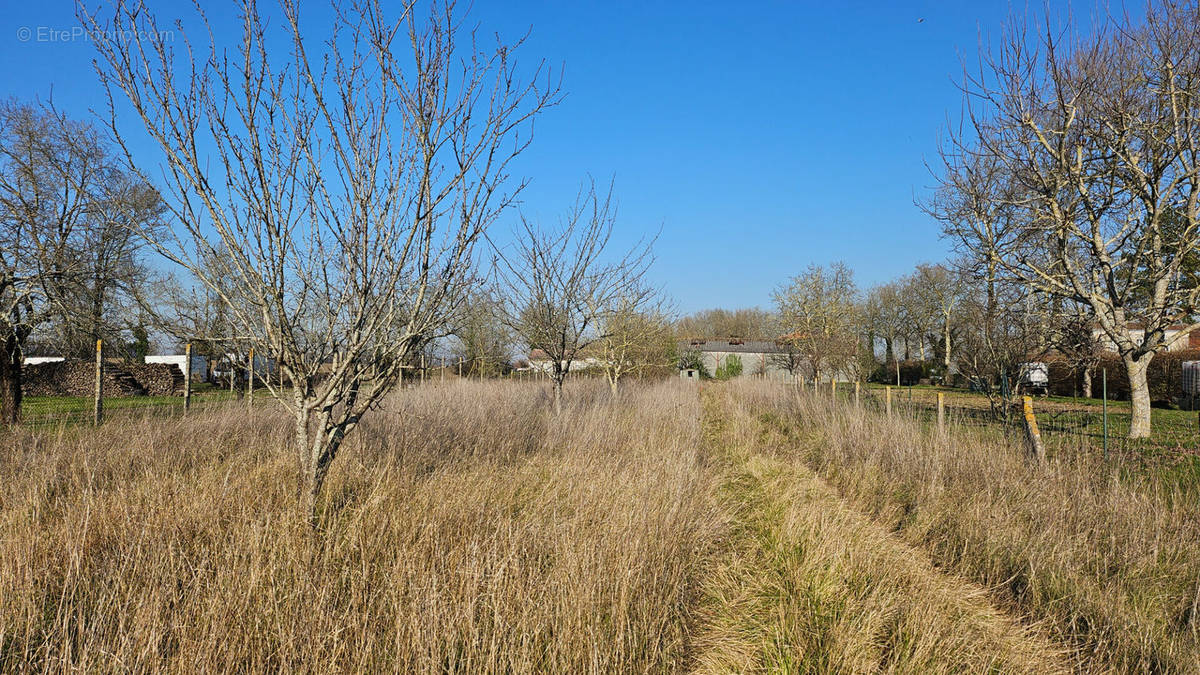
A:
[612,385]
[889,354]
[1139,395]
[10,381]
[558,387]
[306,488]
[946,354]
[1087,382]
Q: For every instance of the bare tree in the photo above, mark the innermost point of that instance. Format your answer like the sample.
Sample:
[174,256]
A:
[1006,325]
[1073,336]
[340,183]
[886,318]
[555,285]
[635,333]
[56,179]
[103,299]
[1090,145]
[820,313]
[939,289]
[484,341]
[920,317]
[718,323]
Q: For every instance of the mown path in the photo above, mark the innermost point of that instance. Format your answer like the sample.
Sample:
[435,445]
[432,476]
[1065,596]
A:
[807,583]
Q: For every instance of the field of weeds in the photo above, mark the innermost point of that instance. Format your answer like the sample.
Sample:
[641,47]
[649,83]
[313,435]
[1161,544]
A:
[744,527]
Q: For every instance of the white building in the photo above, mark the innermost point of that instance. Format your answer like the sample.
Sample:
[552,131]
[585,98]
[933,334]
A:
[1136,331]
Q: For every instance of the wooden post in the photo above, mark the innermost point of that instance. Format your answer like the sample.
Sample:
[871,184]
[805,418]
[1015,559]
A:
[187,378]
[941,403]
[1037,449]
[833,388]
[856,388]
[1104,375]
[887,400]
[481,370]
[98,408]
[460,364]
[422,380]
[250,379]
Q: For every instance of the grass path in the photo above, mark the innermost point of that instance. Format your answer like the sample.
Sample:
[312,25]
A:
[808,584]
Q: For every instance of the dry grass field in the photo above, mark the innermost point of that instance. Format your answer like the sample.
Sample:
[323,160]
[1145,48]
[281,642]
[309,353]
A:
[744,527]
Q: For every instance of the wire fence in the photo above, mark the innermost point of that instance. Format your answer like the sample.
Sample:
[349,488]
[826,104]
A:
[1101,425]
[48,411]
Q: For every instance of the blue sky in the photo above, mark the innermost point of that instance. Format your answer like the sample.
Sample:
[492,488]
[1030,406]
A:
[760,137]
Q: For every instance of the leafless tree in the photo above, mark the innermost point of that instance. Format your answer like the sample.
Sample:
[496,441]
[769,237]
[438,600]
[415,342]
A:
[939,290]
[340,182]
[483,340]
[1073,337]
[1087,148]
[65,210]
[819,312]
[635,333]
[1006,324]
[751,323]
[555,285]
[886,318]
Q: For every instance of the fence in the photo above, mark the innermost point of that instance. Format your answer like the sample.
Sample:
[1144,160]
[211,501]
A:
[1101,426]
[104,405]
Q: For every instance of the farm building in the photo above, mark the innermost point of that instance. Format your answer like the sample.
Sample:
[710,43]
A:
[757,356]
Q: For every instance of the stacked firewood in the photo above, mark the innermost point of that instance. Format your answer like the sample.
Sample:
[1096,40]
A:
[158,379]
[78,378]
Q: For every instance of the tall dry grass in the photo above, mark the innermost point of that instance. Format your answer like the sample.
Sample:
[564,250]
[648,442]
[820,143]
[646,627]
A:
[813,585]
[1108,563]
[462,530]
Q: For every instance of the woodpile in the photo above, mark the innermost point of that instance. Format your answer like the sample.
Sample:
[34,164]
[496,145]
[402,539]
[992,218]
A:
[78,378]
[159,379]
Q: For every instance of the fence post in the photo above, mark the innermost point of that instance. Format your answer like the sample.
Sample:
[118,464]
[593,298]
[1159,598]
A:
[1104,387]
[941,403]
[250,379]
[887,400]
[481,370]
[422,380]
[187,378]
[460,364]
[98,408]
[1036,448]
[857,385]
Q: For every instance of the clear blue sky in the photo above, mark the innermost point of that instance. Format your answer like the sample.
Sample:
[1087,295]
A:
[759,139]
